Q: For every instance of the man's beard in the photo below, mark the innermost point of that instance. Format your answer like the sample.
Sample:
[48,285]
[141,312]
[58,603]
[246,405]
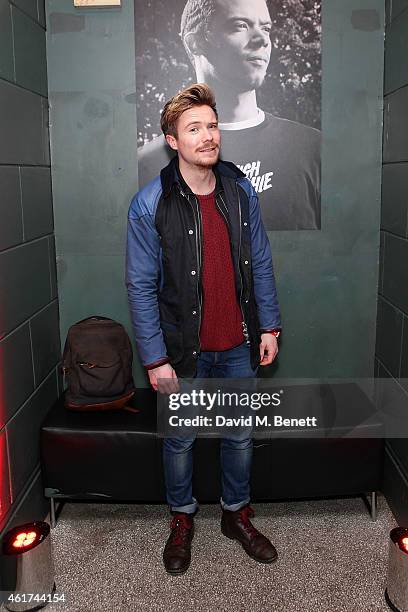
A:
[208,164]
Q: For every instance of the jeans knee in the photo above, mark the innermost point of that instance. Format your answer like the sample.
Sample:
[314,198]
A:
[177,445]
[236,444]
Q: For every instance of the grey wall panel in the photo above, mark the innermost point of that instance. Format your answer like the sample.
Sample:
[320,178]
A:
[5,500]
[392,340]
[376,368]
[45,131]
[28,6]
[41,12]
[381,263]
[104,38]
[53,267]
[93,195]
[396,53]
[37,202]
[389,335]
[24,283]
[11,226]
[395,282]
[388,8]
[395,487]
[6,42]
[394,205]
[23,127]
[60,23]
[30,53]
[397,6]
[16,366]
[29,331]
[396,126]
[404,353]
[46,341]
[23,432]
[382,372]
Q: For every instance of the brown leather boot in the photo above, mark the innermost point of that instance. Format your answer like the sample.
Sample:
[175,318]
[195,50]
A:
[177,552]
[237,526]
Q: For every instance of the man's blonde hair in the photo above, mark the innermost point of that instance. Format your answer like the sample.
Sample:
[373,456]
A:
[198,94]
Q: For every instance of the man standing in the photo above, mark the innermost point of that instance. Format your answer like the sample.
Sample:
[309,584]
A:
[228,43]
[203,302]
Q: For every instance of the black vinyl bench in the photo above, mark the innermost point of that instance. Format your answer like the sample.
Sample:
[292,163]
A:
[116,455]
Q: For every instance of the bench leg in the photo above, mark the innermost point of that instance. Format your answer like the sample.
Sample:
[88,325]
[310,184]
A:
[52,512]
[373,505]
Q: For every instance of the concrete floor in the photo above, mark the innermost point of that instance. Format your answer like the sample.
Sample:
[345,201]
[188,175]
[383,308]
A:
[332,557]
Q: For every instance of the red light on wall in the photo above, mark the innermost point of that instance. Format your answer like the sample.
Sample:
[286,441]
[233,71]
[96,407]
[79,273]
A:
[4,467]
[24,539]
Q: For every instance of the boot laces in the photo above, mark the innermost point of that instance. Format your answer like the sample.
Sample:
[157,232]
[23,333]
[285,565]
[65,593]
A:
[180,526]
[247,513]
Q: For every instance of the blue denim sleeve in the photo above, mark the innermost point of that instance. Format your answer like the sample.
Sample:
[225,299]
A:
[262,268]
[142,282]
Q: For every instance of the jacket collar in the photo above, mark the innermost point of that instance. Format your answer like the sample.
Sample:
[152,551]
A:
[171,175]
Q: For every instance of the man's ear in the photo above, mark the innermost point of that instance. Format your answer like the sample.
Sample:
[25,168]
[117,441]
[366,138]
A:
[171,141]
[194,43]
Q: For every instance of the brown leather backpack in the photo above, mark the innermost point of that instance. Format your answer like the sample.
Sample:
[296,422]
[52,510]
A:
[97,364]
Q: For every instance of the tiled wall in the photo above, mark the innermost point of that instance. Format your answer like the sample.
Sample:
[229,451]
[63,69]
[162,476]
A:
[392,323]
[29,325]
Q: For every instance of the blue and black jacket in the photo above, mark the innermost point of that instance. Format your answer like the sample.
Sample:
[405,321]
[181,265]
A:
[164,265]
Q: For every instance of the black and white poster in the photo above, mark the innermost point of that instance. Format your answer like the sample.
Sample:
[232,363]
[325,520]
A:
[262,59]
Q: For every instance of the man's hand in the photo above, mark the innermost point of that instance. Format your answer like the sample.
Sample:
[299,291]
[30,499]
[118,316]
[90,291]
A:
[164,379]
[268,349]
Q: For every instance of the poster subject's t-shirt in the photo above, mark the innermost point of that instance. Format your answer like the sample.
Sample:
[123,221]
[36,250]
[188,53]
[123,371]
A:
[280,157]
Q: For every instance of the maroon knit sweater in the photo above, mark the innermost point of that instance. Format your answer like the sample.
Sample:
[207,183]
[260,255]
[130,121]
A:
[221,324]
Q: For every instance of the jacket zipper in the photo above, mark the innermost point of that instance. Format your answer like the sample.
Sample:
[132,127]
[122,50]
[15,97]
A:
[244,325]
[198,256]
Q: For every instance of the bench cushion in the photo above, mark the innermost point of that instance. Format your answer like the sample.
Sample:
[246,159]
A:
[117,455]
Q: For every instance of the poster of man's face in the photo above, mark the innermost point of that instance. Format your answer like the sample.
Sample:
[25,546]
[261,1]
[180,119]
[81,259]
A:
[263,62]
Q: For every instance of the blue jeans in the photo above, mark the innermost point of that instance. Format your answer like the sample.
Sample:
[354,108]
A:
[236,453]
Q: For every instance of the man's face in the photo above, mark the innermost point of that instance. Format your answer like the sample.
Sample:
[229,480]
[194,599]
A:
[198,137]
[239,45]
